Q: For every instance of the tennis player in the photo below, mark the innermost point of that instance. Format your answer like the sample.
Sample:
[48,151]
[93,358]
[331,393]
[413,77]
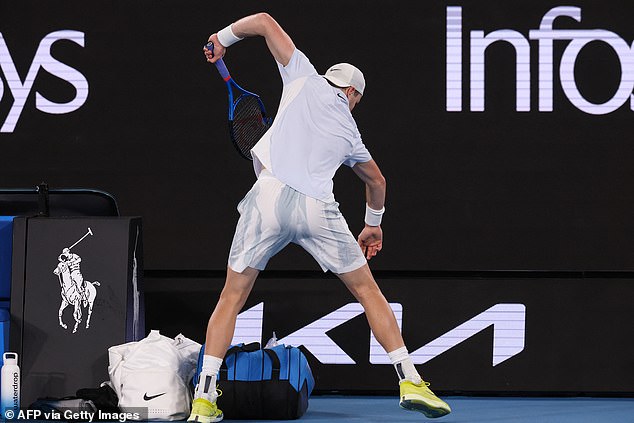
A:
[292,200]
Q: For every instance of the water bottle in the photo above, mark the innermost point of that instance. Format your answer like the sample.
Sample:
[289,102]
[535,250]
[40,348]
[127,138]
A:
[10,387]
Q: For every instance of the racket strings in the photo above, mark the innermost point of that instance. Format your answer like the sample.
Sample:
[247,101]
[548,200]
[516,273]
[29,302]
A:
[248,124]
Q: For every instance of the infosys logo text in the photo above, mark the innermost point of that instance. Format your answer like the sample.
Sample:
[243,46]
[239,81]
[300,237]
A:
[546,36]
[20,88]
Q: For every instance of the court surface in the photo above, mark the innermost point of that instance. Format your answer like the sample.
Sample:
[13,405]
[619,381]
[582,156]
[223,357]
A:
[326,409]
[369,409]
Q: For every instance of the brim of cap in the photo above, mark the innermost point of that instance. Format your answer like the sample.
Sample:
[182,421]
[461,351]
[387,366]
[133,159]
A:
[338,82]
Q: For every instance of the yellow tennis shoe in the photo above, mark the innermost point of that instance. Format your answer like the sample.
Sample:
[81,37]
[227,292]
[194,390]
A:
[204,411]
[418,397]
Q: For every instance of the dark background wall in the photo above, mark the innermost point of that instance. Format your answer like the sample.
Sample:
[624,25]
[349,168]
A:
[467,190]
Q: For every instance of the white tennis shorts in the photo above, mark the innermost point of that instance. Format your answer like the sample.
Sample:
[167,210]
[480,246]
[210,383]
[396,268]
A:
[273,214]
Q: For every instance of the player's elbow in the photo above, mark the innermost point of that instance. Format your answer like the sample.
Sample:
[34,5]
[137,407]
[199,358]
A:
[265,20]
[264,16]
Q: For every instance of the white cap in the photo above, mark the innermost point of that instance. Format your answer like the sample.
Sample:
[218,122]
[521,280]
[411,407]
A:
[345,75]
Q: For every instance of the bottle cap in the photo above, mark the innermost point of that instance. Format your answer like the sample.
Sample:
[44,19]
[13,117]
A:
[10,358]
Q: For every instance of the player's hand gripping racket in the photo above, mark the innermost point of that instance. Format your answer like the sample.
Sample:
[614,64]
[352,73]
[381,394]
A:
[247,116]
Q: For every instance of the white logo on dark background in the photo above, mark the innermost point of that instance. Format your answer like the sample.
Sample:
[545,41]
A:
[76,291]
[21,88]
[508,321]
[546,35]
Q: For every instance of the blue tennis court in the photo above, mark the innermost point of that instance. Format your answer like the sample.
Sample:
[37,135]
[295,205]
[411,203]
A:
[326,409]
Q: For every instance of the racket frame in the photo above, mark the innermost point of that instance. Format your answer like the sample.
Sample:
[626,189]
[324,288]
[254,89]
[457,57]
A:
[233,101]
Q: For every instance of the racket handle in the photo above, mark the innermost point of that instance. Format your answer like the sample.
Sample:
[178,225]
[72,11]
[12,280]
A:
[220,64]
[222,69]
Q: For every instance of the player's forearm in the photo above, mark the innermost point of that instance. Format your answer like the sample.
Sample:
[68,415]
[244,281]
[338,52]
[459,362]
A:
[375,192]
[262,24]
[374,181]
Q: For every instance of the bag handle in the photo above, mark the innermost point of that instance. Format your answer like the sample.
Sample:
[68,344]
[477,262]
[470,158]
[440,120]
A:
[275,363]
[304,351]
[253,346]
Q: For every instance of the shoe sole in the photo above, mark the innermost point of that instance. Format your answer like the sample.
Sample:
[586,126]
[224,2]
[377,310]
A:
[197,418]
[418,404]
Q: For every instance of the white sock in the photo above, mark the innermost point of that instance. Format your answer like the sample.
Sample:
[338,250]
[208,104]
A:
[211,364]
[206,387]
[404,366]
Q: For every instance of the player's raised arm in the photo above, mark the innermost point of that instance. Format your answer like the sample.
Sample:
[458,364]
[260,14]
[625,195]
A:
[260,24]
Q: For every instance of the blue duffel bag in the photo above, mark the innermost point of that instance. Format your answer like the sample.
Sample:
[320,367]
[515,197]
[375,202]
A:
[270,383]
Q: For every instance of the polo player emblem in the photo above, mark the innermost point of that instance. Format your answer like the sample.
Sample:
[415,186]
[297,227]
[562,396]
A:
[75,290]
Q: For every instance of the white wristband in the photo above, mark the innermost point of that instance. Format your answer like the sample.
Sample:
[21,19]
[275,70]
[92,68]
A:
[373,217]
[227,37]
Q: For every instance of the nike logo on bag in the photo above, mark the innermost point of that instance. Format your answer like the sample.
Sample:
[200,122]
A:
[151,397]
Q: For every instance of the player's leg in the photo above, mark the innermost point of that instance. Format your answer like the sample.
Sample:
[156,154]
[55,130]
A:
[223,319]
[220,330]
[328,239]
[325,235]
[362,285]
[259,235]
[415,394]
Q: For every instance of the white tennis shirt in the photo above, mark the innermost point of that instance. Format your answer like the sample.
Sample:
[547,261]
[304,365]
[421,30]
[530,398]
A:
[312,135]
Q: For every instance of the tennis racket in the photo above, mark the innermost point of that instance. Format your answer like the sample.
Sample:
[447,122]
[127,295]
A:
[247,115]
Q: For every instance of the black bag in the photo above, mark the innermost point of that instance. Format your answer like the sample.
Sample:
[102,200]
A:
[71,409]
[270,383]
[104,398]
[85,406]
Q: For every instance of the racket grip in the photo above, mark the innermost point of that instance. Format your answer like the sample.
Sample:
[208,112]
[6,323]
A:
[222,69]
[220,64]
